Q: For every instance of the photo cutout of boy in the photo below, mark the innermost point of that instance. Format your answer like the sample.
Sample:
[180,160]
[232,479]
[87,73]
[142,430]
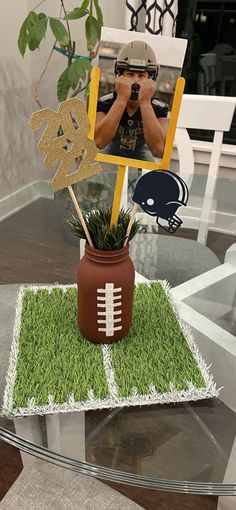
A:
[132,121]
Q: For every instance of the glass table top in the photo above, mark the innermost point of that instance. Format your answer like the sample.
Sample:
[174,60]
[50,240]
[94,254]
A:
[183,447]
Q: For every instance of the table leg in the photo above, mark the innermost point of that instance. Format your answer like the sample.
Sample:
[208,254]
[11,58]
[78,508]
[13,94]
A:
[229,502]
[28,428]
[66,434]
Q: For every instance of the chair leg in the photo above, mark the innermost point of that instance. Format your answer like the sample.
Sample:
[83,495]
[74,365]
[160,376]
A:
[28,428]
[66,434]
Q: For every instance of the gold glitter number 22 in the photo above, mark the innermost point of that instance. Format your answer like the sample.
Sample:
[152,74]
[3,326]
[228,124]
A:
[65,140]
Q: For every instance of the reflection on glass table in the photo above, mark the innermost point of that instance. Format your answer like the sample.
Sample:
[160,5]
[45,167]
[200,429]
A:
[217,302]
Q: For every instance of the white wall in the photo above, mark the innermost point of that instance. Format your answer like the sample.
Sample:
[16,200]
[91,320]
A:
[113,13]
[19,161]
[17,147]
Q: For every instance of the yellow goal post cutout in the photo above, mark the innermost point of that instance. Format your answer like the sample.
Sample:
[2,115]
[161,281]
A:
[136,163]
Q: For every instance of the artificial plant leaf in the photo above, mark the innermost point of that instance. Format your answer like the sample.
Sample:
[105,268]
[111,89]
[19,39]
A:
[59,31]
[26,26]
[31,19]
[98,12]
[85,4]
[41,15]
[81,69]
[87,91]
[92,30]
[78,12]
[23,38]
[63,86]
[86,64]
[77,71]
[36,33]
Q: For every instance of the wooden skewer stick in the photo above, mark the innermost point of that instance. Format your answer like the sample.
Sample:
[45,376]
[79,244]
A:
[131,221]
[79,212]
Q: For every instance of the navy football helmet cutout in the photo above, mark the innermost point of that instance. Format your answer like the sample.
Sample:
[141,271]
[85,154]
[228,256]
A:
[160,193]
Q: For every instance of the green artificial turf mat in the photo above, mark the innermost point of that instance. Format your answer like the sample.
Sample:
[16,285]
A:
[156,345]
[54,358]
[54,368]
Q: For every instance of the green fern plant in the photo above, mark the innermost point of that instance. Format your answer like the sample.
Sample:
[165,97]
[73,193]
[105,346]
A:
[98,224]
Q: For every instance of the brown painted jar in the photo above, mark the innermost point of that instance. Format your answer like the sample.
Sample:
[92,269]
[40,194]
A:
[105,294]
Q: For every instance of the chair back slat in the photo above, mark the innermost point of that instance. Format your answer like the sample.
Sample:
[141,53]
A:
[206,112]
[210,187]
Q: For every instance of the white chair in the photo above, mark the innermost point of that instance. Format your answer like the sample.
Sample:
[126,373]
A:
[206,76]
[210,113]
[225,67]
[168,253]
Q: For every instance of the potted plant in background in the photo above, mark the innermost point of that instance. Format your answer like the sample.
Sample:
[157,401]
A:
[105,276]
[75,77]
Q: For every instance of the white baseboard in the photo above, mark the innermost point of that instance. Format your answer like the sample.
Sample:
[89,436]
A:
[19,198]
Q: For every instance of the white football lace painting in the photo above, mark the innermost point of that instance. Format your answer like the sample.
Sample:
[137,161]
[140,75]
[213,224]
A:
[109,309]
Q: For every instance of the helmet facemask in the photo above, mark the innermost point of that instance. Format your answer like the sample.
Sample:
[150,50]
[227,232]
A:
[170,225]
